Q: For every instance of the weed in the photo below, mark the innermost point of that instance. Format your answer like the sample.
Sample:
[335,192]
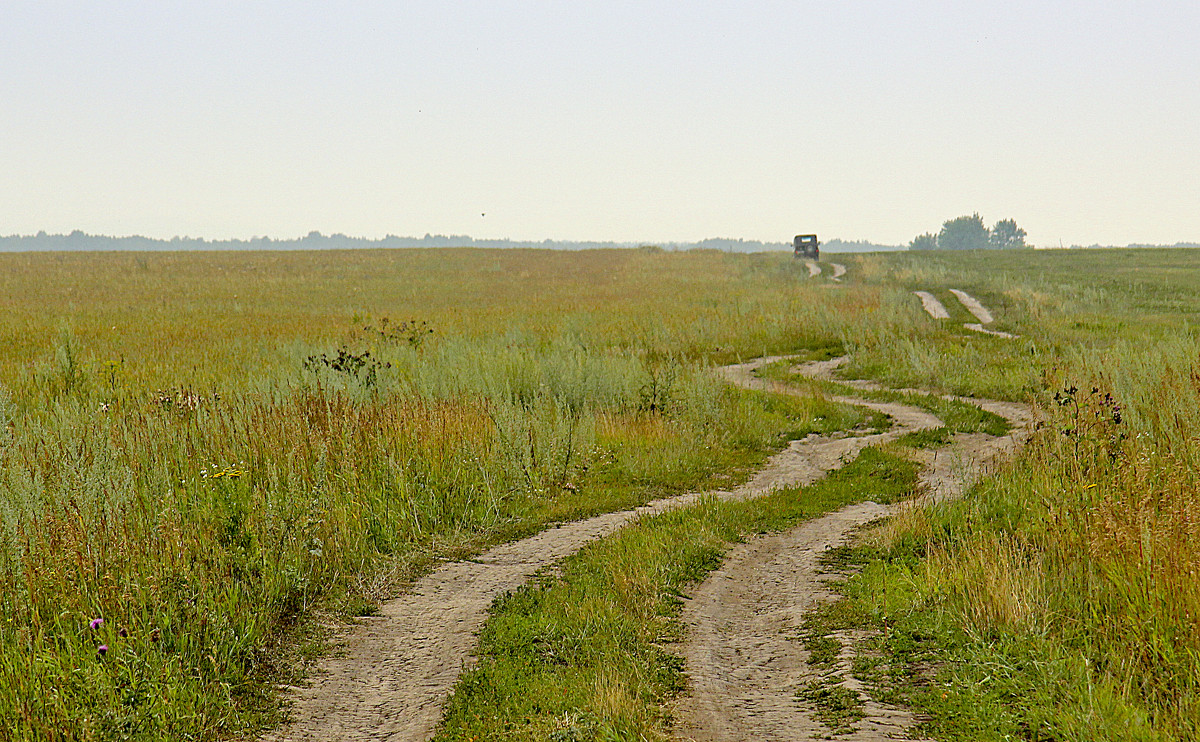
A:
[1092,417]
[412,333]
[68,366]
[360,367]
[658,394]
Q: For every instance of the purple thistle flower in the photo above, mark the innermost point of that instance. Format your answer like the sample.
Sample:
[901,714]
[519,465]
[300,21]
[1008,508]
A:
[96,623]
[102,649]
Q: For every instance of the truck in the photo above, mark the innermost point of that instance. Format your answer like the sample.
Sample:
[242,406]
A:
[806,246]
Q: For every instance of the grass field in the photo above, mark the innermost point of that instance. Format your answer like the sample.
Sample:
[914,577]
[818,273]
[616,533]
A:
[201,452]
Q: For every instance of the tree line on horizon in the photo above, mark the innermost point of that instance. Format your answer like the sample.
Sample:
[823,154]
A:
[963,233]
[82,241]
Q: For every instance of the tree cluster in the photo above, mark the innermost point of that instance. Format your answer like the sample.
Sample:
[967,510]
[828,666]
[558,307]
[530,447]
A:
[970,233]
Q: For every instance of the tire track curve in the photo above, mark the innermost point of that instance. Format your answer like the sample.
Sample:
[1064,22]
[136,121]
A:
[394,671]
[744,664]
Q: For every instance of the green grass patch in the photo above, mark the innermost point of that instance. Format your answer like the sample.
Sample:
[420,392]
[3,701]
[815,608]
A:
[999,687]
[821,623]
[823,352]
[835,706]
[980,627]
[933,438]
[959,416]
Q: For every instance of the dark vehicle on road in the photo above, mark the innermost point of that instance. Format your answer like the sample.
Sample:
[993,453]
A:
[806,246]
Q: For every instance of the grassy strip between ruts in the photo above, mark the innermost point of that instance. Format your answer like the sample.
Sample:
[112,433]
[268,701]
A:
[584,654]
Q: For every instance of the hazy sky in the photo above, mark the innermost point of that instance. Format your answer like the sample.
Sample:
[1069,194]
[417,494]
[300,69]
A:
[655,121]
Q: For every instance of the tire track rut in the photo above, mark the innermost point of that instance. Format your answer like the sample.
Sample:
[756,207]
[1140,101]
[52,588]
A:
[937,310]
[744,668]
[394,671]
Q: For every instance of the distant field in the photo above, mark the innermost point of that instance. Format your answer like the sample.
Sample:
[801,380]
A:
[205,450]
[216,319]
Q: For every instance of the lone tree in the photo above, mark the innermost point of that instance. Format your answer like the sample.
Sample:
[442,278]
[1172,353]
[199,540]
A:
[1006,235]
[964,233]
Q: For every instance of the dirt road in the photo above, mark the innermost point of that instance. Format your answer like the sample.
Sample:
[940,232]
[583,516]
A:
[396,669]
[742,657]
[937,310]
[982,314]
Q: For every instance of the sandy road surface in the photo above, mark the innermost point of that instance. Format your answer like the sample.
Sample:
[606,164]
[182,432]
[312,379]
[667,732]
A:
[937,310]
[974,307]
[743,660]
[931,304]
[396,670]
[392,677]
[975,326]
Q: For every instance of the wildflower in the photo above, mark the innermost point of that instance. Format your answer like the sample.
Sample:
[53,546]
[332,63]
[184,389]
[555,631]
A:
[101,650]
[123,632]
[96,623]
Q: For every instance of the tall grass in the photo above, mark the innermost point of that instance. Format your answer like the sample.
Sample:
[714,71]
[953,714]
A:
[1067,588]
[196,527]
[198,450]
